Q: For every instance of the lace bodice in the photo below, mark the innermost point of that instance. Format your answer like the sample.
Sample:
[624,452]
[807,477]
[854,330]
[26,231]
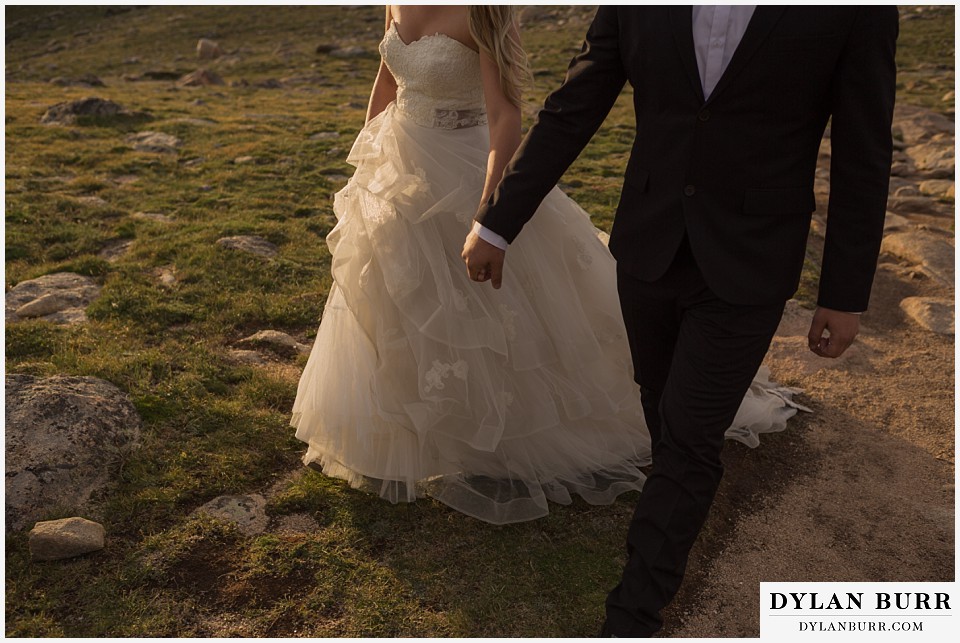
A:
[438,80]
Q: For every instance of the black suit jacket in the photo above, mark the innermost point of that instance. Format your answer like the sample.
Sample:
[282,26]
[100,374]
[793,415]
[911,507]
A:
[734,172]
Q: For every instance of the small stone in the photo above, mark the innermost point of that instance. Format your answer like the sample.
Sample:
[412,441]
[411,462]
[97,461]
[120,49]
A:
[208,49]
[254,245]
[94,201]
[67,538]
[48,304]
[154,142]
[115,249]
[325,136]
[939,188]
[167,276]
[200,78]
[243,160]
[277,341]
[948,97]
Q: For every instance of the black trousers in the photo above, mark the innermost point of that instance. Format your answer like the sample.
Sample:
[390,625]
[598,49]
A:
[694,356]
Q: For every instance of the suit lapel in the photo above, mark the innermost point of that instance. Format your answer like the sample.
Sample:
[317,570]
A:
[681,25]
[762,21]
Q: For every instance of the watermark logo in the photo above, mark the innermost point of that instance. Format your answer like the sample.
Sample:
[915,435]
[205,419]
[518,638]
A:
[857,611]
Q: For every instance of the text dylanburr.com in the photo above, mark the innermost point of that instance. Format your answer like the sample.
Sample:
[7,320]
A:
[857,611]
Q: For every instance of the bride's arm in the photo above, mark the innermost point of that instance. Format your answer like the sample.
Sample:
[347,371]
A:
[384,87]
[503,119]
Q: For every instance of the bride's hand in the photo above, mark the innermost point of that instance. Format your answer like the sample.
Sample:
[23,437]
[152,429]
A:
[484,260]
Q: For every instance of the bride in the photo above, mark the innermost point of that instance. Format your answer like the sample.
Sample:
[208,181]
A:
[419,383]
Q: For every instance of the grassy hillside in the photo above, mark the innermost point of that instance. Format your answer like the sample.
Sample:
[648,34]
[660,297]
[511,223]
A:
[213,426]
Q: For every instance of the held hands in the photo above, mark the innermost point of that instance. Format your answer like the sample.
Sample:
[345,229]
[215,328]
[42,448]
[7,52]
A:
[484,261]
[841,330]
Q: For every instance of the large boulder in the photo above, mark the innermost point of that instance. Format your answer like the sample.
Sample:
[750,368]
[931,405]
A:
[65,439]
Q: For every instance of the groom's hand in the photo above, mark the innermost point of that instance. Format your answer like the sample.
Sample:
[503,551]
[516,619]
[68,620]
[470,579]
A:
[841,328]
[484,260]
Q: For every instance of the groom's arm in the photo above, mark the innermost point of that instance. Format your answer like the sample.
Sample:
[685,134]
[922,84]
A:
[864,88]
[570,117]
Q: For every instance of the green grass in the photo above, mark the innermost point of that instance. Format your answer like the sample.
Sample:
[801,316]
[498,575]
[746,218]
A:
[212,426]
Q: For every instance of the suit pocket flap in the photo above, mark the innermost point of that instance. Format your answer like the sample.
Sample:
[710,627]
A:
[636,178]
[779,201]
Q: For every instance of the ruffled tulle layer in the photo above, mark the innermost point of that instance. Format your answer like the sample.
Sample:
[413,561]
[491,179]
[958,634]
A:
[422,382]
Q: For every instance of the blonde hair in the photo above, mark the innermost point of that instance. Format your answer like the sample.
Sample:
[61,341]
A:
[493,29]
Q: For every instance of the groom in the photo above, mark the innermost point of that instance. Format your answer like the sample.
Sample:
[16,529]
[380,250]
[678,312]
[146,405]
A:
[710,234]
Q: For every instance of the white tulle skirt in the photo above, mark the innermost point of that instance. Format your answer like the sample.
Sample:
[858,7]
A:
[422,382]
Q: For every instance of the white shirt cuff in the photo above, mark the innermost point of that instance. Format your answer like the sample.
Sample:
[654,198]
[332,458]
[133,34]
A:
[490,236]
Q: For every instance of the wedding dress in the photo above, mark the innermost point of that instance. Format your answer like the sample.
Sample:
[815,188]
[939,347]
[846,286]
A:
[421,382]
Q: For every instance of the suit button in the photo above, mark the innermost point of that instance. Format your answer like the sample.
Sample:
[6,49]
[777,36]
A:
[689,190]
[704,116]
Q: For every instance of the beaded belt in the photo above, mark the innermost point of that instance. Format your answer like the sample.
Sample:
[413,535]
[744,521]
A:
[459,118]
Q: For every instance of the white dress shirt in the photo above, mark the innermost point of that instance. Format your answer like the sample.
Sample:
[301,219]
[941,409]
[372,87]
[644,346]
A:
[717,30]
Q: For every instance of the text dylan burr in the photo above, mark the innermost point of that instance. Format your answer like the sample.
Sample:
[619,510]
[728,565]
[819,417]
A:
[855,601]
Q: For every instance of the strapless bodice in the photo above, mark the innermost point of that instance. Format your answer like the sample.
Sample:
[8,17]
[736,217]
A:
[438,80]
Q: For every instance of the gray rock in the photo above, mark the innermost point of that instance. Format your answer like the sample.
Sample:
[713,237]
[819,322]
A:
[248,512]
[894,222]
[277,341]
[208,49]
[92,201]
[154,142]
[917,124]
[934,157]
[938,188]
[82,290]
[200,78]
[933,255]
[934,314]
[68,112]
[68,317]
[917,205]
[254,245]
[52,302]
[167,276]
[67,538]
[65,438]
[244,160]
[86,80]
[115,249]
